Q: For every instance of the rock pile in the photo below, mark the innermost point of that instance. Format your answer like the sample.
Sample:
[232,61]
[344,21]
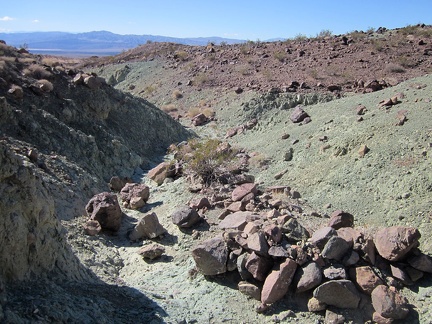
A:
[337,265]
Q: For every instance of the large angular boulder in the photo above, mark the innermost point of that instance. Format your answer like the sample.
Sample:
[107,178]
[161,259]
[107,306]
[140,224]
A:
[309,277]
[159,173]
[185,217]
[393,243]
[211,256]
[241,191]
[135,195]
[277,282]
[105,209]
[148,227]
[340,293]
[388,303]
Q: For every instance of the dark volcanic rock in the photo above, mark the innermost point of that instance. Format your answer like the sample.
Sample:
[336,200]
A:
[185,216]
[211,256]
[339,293]
[298,115]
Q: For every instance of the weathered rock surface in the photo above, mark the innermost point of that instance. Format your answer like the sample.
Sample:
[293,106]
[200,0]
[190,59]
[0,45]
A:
[159,173]
[365,278]
[389,303]
[249,289]
[335,248]
[393,243]
[339,293]
[277,282]
[105,209]
[185,216]
[241,191]
[135,195]
[340,218]
[211,256]
[148,227]
[310,276]
[258,266]
[321,236]
[422,262]
[151,251]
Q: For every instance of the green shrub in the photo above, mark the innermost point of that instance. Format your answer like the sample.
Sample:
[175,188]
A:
[211,160]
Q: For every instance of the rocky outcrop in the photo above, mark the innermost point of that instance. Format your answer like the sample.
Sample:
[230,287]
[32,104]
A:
[32,241]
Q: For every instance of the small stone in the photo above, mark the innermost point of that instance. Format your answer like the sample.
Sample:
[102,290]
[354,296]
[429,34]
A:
[363,150]
[92,227]
[148,227]
[314,305]
[333,318]
[151,251]
[340,218]
[335,272]
[249,289]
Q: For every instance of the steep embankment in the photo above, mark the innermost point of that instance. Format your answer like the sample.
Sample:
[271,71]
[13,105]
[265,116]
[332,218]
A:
[60,142]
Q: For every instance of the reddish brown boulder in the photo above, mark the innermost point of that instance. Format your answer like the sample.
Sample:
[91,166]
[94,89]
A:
[258,266]
[389,303]
[242,190]
[135,195]
[117,183]
[365,278]
[393,243]
[273,233]
[105,209]
[211,256]
[377,318]
[277,282]
[159,173]
[148,227]
[349,234]
[257,242]
[340,218]
[200,203]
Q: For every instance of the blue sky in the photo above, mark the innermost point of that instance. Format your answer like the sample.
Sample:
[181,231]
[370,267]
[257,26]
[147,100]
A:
[250,20]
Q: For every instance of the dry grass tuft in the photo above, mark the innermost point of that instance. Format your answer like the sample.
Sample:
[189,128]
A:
[37,71]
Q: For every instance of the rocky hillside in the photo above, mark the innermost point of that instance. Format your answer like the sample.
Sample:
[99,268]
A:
[359,142]
[63,135]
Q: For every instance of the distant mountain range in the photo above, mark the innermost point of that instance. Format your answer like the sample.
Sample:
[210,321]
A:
[95,43]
